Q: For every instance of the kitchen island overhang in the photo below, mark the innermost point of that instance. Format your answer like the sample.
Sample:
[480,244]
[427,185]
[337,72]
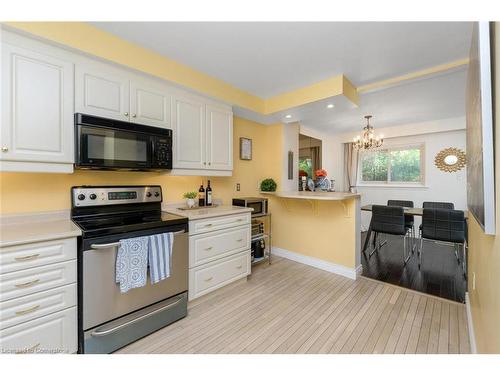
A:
[321,229]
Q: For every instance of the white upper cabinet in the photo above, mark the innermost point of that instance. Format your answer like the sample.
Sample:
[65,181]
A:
[188,122]
[219,135]
[149,104]
[102,91]
[203,137]
[37,110]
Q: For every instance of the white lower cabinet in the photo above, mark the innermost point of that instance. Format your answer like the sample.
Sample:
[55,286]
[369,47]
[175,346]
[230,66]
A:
[219,252]
[214,275]
[51,334]
[38,297]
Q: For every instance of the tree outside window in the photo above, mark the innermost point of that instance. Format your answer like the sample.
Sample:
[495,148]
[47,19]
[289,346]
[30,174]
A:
[399,165]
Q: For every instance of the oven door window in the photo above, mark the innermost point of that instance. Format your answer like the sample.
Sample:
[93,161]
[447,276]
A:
[257,207]
[101,147]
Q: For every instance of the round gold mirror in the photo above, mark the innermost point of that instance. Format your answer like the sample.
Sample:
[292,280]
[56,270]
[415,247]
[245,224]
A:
[450,159]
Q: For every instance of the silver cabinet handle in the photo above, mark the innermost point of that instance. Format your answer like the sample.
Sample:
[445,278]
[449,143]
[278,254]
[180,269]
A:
[204,163]
[27,257]
[208,225]
[240,220]
[239,240]
[134,115]
[209,279]
[126,113]
[28,284]
[239,267]
[209,248]
[105,332]
[209,163]
[27,311]
[5,149]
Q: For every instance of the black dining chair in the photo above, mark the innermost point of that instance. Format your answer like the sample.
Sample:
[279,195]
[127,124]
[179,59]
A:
[409,219]
[389,220]
[445,226]
[443,205]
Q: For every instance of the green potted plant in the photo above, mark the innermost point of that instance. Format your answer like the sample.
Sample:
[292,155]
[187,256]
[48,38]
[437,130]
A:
[268,185]
[190,198]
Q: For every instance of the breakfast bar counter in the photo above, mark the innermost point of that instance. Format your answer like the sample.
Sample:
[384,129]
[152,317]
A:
[314,195]
[321,229]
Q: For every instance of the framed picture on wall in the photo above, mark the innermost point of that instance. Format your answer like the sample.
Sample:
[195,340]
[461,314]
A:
[245,148]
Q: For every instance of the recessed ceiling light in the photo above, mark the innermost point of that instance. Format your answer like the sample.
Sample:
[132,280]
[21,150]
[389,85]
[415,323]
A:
[288,116]
[330,106]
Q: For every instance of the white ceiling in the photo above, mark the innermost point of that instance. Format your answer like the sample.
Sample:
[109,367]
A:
[435,98]
[270,58]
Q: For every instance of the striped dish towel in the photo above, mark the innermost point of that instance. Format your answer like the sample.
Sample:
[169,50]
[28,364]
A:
[160,256]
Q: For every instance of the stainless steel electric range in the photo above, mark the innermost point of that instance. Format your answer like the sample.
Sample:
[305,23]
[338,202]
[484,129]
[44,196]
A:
[108,319]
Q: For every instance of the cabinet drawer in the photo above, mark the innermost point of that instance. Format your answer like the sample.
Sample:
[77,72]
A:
[31,280]
[207,247]
[216,223]
[16,258]
[54,333]
[22,309]
[214,275]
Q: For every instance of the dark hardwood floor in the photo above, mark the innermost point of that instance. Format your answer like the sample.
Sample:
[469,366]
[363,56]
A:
[440,273]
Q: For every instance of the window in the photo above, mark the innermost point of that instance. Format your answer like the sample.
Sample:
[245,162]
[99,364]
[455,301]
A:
[396,165]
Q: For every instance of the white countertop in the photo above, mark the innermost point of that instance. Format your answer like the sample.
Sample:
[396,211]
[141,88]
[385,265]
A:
[313,195]
[22,229]
[204,213]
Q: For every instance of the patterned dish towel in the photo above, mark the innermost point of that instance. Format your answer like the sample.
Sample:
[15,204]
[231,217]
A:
[160,256]
[132,263]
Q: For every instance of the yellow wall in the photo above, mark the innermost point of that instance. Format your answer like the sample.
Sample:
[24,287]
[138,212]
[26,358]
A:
[320,229]
[484,251]
[32,192]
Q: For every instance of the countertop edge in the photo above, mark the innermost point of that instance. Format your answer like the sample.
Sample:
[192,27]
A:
[235,210]
[319,196]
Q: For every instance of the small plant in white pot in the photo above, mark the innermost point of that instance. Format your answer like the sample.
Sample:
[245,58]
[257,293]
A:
[190,198]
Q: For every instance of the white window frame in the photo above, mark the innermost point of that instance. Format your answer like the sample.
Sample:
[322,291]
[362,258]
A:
[388,183]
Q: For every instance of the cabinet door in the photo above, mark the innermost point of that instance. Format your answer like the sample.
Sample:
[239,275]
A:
[149,104]
[102,91]
[37,107]
[188,122]
[219,138]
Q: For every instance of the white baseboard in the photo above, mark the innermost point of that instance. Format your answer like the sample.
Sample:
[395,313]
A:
[351,273]
[470,325]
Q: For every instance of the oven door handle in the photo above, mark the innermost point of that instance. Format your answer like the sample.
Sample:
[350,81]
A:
[105,332]
[113,244]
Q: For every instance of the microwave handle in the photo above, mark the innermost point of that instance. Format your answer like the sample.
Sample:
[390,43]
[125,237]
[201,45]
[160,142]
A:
[114,244]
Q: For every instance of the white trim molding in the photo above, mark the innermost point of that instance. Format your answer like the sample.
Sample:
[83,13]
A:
[351,273]
[470,325]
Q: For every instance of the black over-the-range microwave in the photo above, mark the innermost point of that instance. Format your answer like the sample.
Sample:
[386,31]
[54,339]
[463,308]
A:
[102,143]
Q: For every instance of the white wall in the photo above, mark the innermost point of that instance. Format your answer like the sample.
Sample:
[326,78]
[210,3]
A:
[439,185]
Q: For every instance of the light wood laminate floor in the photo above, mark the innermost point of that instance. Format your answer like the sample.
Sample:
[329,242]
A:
[289,307]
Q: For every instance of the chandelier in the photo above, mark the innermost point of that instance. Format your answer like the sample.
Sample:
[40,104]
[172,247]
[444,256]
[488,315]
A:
[368,139]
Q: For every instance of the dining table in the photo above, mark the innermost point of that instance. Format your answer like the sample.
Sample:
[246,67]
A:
[415,211]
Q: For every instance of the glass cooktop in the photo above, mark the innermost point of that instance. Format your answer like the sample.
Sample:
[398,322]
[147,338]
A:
[119,223]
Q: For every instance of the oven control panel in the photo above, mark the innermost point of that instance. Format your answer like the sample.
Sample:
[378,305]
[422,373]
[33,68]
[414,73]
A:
[84,196]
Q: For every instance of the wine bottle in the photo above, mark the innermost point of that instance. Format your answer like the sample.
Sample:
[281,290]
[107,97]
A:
[201,195]
[209,194]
